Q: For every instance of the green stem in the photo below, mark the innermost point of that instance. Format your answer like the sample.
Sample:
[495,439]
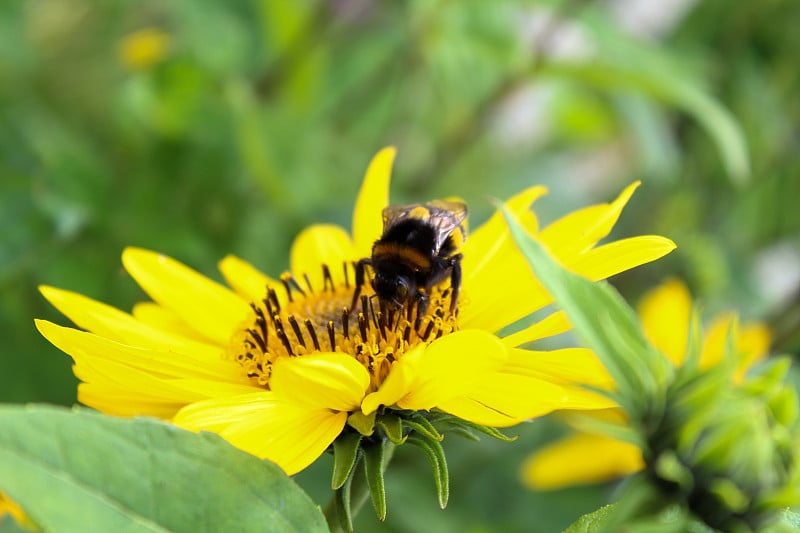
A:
[359,493]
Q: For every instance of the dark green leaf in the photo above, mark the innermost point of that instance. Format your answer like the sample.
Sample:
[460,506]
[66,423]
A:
[140,475]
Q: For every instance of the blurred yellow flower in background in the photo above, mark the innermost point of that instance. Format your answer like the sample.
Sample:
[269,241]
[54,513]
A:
[279,367]
[584,458]
[143,48]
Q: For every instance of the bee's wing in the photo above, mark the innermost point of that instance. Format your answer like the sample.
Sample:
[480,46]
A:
[447,216]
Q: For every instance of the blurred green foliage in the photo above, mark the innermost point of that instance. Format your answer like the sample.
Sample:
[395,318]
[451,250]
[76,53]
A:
[258,118]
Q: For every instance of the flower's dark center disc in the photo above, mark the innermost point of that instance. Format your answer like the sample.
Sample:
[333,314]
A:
[310,321]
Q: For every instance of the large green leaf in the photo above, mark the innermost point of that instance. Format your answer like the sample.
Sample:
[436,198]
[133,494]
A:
[82,471]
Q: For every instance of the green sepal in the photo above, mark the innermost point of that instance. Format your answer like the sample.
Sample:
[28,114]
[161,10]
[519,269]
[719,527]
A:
[435,453]
[669,467]
[732,496]
[423,426]
[454,422]
[392,427]
[364,424]
[345,455]
[373,468]
[465,433]
[344,513]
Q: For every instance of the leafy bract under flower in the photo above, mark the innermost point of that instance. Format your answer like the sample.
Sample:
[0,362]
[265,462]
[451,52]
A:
[277,366]
[665,313]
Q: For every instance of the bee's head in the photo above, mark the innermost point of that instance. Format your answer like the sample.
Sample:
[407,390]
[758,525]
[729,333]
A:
[394,288]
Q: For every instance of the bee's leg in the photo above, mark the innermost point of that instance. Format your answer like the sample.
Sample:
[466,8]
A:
[422,300]
[455,281]
[360,271]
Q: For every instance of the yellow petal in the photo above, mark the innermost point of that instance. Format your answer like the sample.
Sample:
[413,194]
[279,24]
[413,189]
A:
[325,380]
[580,459]
[568,366]
[751,342]
[318,244]
[112,401]
[486,244]
[291,434]
[208,307]
[665,313]
[109,322]
[372,199]
[502,399]
[162,363]
[549,326]
[452,366]
[245,279]
[496,273]
[163,319]
[580,230]
[398,383]
[618,256]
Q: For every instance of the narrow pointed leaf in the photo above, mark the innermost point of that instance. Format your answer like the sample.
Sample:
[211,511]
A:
[454,422]
[373,465]
[140,475]
[345,453]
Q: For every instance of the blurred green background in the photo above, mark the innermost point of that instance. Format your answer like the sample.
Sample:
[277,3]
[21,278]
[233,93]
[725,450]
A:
[201,128]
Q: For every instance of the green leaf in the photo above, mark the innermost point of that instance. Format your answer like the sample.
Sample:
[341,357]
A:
[373,465]
[345,453]
[592,522]
[140,475]
[602,319]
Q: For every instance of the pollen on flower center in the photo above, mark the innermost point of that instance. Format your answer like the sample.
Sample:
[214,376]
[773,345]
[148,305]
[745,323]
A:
[313,320]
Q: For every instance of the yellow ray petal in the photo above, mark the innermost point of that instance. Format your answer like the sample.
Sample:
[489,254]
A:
[580,459]
[618,256]
[326,380]
[163,319]
[514,397]
[111,401]
[491,240]
[290,434]
[751,342]
[565,366]
[580,230]
[665,313]
[249,282]
[162,363]
[211,309]
[372,199]
[109,322]
[549,326]
[318,244]
[397,384]
[452,366]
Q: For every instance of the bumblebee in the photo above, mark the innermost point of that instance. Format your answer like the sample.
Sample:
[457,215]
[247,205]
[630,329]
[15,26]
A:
[417,250]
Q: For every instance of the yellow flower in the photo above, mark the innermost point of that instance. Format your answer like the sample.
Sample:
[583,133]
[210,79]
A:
[277,367]
[665,313]
[143,48]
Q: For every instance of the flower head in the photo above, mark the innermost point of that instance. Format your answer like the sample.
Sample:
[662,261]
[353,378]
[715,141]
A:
[282,367]
[665,314]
